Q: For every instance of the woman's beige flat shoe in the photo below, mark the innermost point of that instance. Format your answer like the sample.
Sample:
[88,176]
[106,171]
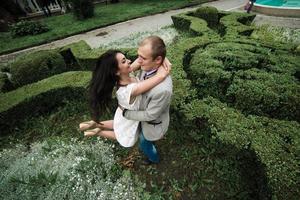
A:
[92,132]
[87,125]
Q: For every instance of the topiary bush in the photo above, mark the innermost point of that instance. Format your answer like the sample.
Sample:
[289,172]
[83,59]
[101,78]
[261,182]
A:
[84,56]
[263,77]
[250,77]
[36,66]
[265,94]
[274,142]
[208,21]
[23,28]
[40,97]
[209,14]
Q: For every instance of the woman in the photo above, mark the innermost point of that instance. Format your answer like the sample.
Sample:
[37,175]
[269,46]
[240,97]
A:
[113,69]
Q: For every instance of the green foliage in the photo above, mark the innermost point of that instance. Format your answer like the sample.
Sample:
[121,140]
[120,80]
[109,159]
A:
[208,21]
[5,83]
[23,28]
[275,142]
[209,14]
[231,154]
[194,25]
[248,77]
[82,9]
[238,23]
[278,34]
[64,169]
[265,77]
[269,94]
[36,66]
[40,97]
[81,53]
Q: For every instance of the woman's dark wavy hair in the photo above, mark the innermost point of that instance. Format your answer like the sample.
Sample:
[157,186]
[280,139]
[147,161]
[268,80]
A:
[103,80]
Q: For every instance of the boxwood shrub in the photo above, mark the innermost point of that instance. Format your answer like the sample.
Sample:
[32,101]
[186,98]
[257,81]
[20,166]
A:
[194,25]
[40,97]
[84,56]
[274,142]
[208,21]
[252,78]
[36,66]
[209,14]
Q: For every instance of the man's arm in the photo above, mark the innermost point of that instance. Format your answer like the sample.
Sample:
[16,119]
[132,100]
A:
[155,107]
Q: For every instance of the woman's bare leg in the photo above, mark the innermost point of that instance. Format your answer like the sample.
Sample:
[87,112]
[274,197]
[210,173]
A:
[108,124]
[107,134]
[99,132]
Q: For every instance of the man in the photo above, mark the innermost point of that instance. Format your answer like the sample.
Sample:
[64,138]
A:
[154,109]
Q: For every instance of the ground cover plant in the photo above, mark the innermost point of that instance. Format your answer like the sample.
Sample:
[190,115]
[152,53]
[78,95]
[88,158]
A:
[216,148]
[65,25]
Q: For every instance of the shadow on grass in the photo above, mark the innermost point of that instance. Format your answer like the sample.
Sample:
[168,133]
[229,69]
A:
[202,168]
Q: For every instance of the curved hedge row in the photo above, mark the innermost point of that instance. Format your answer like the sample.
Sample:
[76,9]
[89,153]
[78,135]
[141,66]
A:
[38,65]
[81,54]
[196,26]
[217,66]
[40,97]
[250,78]
[207,21]
[276,143]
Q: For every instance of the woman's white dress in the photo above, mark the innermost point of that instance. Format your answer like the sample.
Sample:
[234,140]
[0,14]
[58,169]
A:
[126,130]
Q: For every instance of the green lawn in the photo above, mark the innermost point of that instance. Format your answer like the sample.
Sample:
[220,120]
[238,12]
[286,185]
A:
[66,25]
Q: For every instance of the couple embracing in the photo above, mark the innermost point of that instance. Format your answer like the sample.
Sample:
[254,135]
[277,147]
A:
[144,100]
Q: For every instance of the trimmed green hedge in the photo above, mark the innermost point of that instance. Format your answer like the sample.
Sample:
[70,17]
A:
[43,64]
[5,83]
[209,14]
[36,66]
[275,142]
[237,24]
[265,94]
[226,24]
[249,77]
[79,53]
[194,25]
[40,97]
[83,54]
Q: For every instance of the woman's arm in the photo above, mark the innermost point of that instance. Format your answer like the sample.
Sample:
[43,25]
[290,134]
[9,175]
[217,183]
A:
[146,85]
[135,65]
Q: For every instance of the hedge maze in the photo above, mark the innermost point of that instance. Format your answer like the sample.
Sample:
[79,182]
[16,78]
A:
[244,92]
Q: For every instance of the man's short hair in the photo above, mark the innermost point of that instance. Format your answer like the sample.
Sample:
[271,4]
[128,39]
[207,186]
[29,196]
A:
[157,45]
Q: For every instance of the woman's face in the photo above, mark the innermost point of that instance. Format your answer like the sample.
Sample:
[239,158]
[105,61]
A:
[123,64]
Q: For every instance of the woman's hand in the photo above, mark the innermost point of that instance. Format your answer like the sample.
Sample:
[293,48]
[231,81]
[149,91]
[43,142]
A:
[166,64]
[164,70]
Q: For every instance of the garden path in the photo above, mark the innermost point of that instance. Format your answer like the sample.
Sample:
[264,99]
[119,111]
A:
[151,23]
